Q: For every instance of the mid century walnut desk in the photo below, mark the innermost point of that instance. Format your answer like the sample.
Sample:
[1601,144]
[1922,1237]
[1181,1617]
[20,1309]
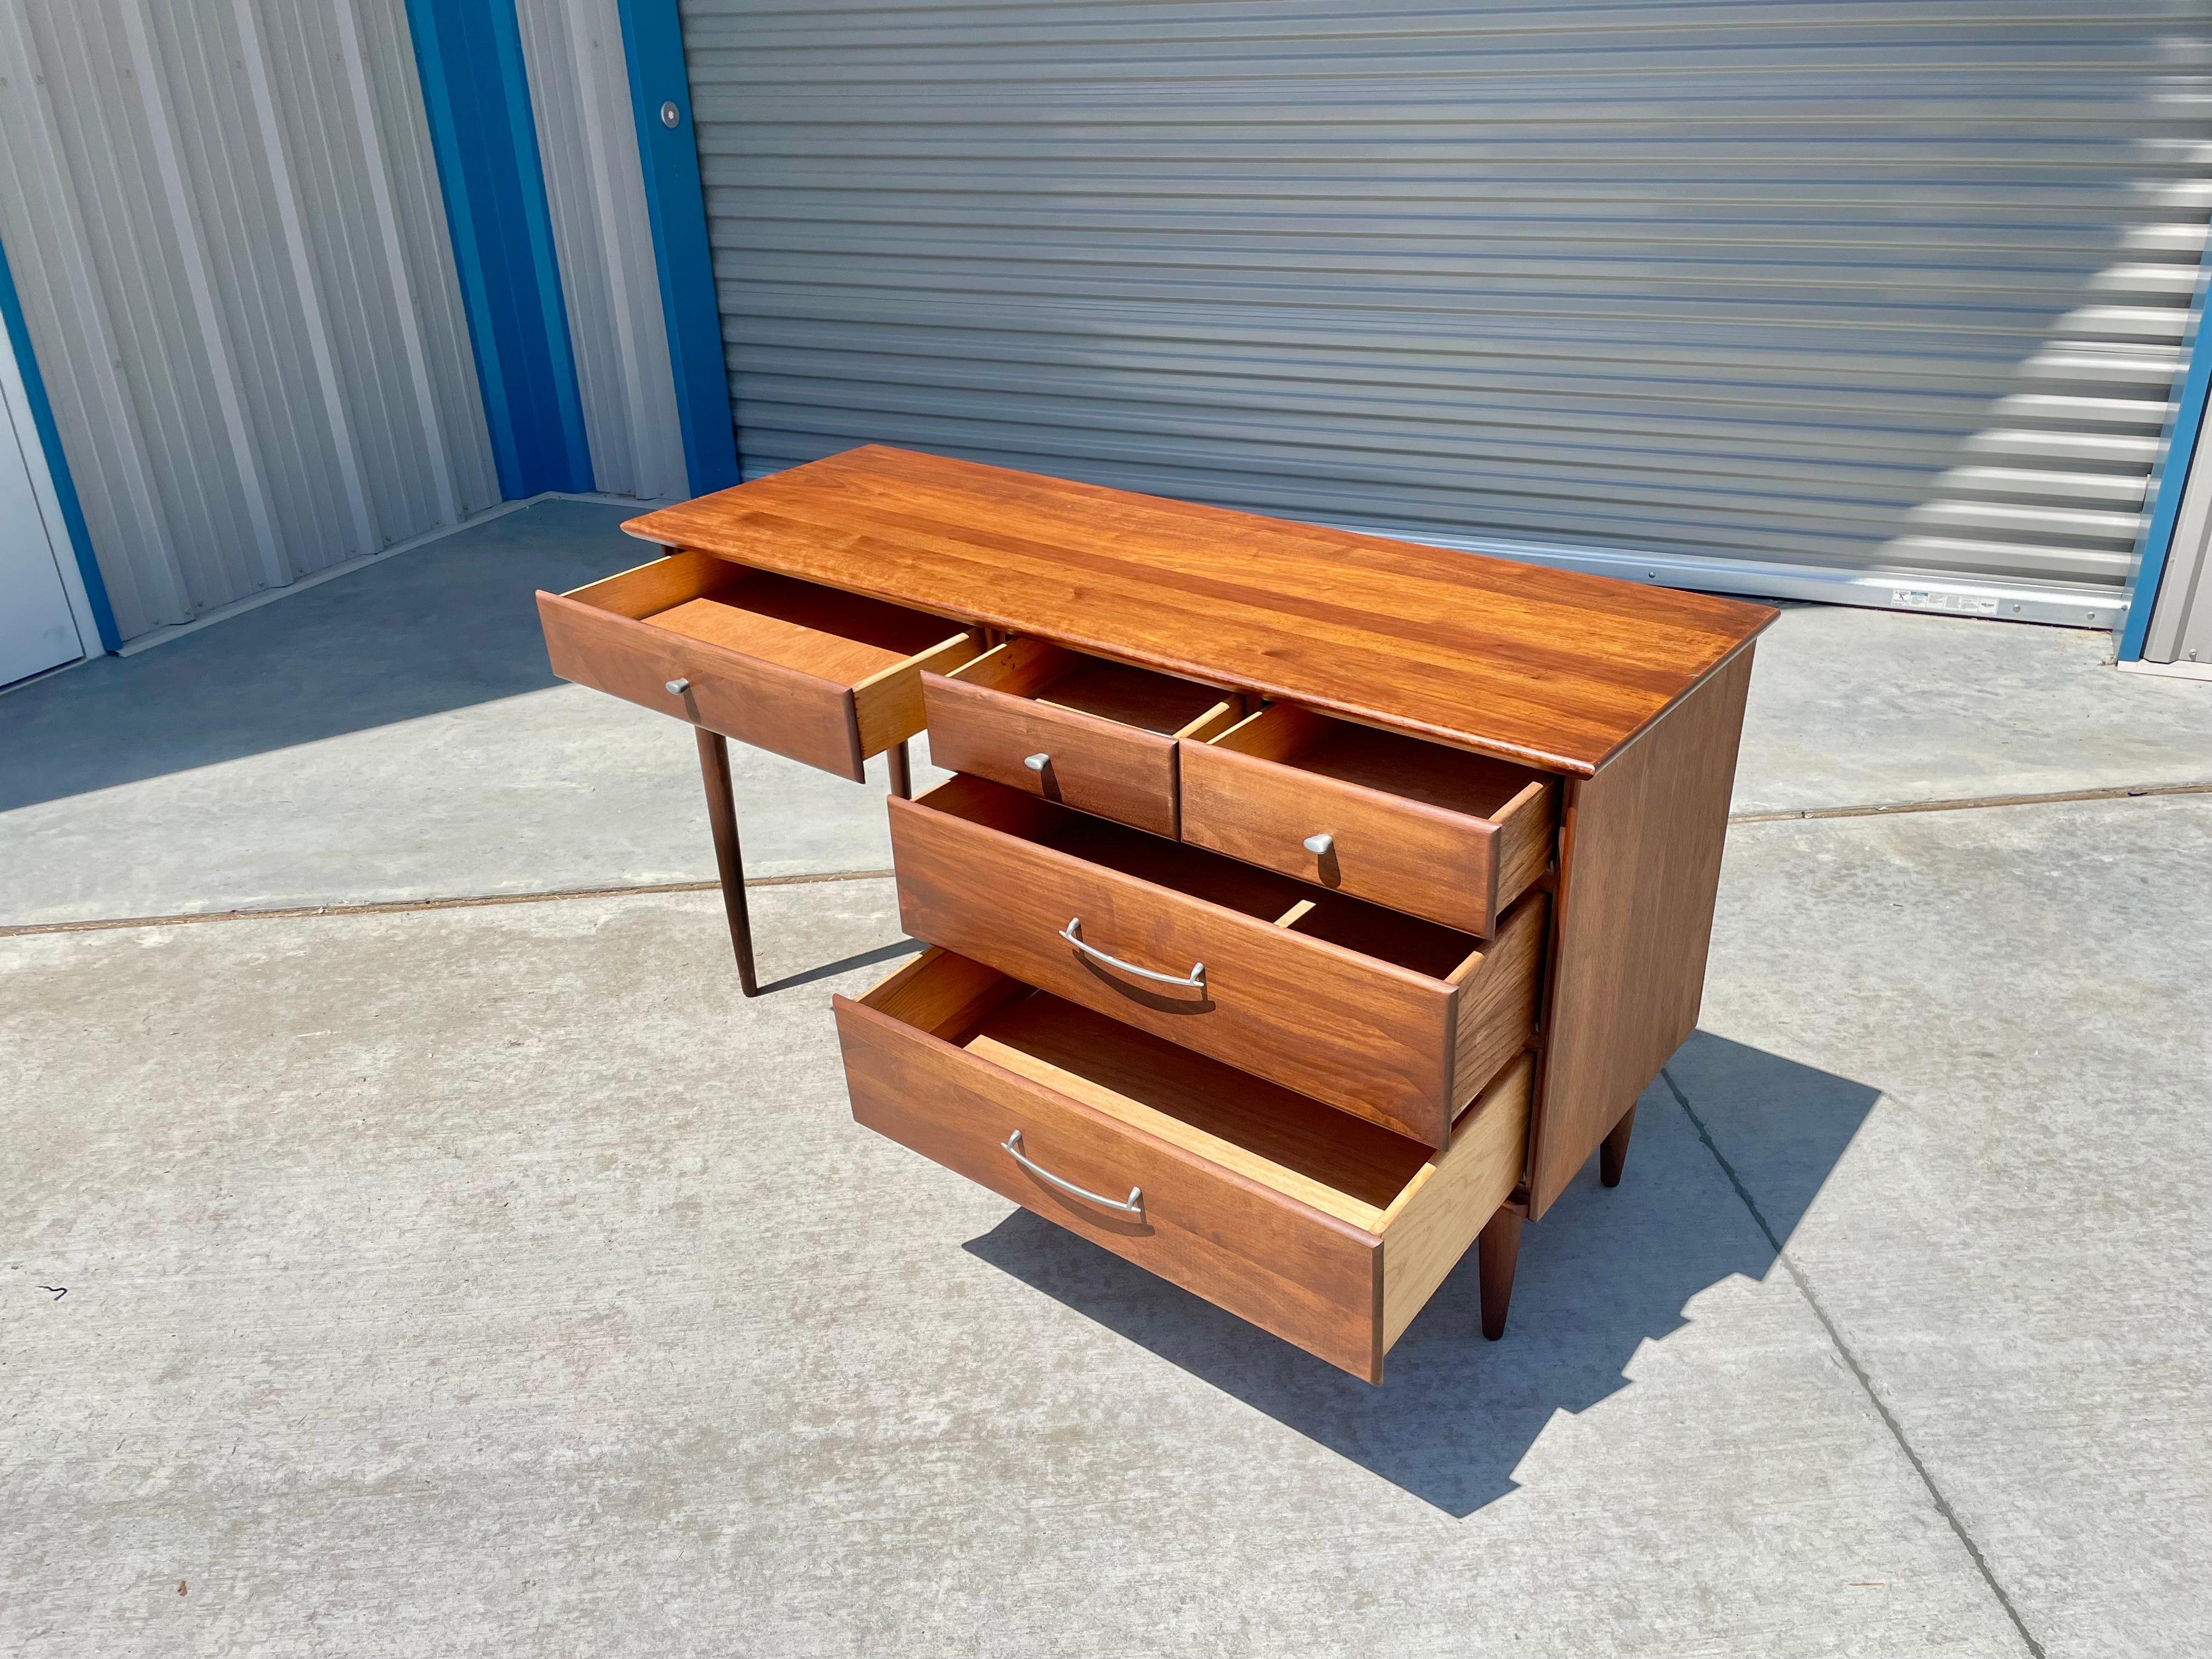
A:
[1306,906]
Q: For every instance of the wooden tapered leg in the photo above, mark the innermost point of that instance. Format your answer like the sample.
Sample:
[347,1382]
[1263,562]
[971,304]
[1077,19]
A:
[1497,1252]
[729,858]
[1613,1151]
[901,771]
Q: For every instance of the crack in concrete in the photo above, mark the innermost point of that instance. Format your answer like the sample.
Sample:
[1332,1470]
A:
[1857,1370]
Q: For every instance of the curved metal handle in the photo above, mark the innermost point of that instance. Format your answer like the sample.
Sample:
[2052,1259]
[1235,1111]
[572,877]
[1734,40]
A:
[1135,1205]
[1195,979]
[1036,762]
[1320,846]
[676,688]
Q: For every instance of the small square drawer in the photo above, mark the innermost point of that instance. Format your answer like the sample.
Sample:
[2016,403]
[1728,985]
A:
[1095,735]
[1320,1227]
[1379,1014]
[1433,831]
[822,676]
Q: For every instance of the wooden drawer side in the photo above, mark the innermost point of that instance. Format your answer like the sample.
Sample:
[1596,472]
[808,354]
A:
[1436,1219]
[1496,998]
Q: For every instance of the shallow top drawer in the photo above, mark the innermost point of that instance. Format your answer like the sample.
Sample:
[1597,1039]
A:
[1095,735]
[823,676]
[1433,831]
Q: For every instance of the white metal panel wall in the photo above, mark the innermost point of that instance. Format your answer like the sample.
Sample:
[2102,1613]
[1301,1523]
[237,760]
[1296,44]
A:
[1781,292]
[588,143]
[2180,629]
[225,226]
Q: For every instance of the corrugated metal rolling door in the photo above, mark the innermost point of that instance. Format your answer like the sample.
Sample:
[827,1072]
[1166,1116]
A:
[226,229]
[1873,299]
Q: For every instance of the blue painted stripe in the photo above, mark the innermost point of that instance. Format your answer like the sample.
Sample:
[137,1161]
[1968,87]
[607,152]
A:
[475,91]
[50,440]
[2172,482]
[652,40]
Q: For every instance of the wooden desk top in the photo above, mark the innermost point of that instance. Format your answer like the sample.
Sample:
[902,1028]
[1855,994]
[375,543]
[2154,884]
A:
[1549,667]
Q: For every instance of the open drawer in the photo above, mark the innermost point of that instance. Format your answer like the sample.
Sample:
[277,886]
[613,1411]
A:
[1092,734]
[1436,831]
[823,676]
[1381,1015]
[1310,1224]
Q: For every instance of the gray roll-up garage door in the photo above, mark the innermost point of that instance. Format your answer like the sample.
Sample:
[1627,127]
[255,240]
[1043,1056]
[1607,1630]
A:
[1875,300]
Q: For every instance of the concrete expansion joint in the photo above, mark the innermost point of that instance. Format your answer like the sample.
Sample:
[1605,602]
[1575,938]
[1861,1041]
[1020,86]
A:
[462,902]
[1857,1367]
[1974,802]
[406,907]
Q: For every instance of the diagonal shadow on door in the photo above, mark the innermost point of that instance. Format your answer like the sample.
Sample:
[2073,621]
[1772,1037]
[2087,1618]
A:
[1602,1273]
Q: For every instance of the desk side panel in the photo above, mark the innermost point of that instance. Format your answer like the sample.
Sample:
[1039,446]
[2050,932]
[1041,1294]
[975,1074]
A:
[1640,865]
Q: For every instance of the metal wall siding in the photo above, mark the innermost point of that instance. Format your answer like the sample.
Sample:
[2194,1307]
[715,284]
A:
[1842,286]
[587,143]
[2181,619]
[225,288]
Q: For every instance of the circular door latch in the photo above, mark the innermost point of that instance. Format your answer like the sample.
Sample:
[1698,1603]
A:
[670,115]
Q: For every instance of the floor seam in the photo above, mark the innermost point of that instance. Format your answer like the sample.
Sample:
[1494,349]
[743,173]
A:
[406,907]
[1857,1370]
[1973,803]
[401,907]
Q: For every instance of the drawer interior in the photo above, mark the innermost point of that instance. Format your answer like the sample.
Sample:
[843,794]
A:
[841,637]
[1340,1165]
[1409,942]
[1060,678]
[1387,762]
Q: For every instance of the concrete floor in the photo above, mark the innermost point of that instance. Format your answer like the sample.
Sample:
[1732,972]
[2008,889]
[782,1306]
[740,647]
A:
[493,1278]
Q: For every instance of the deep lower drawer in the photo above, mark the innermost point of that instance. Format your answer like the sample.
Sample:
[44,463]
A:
[1323,1229]
[1379,1014]
[1434,832]
[821,676]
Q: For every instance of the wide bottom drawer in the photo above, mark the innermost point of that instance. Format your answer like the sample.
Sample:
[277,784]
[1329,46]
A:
[1326,1230]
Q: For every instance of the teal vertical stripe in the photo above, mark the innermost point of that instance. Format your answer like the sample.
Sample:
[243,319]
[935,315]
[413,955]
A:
[50,442]
[652,40]
[475,91]
[2173,483]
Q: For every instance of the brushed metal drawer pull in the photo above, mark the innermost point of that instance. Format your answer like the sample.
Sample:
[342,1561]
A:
[1036,762]
[676,688]
[1195,979]
[1320,846]
[1135,1205]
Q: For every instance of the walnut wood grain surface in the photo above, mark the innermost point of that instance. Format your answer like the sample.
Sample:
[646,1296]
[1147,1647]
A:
[1094,763]
[1548,667]
[1366,1036]
[1640,866]
[1452,836]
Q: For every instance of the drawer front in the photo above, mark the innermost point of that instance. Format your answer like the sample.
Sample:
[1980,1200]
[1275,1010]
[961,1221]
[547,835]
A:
[1309,1277]
[1413,857]
[1363,1035]
[1091,764]
[762,704]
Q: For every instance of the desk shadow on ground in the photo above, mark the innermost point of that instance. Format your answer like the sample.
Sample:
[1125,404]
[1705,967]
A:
[440,626]
[1603,1272]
